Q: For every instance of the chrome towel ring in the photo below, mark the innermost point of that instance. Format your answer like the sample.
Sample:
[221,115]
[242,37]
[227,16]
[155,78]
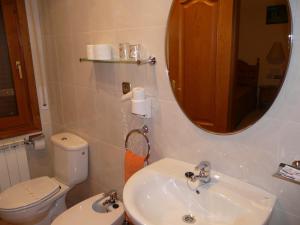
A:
[143,132]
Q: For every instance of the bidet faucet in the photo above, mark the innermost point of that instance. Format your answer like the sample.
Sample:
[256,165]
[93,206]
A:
[113,197]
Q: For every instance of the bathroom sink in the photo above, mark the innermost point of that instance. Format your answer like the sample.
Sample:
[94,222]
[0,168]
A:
[160,194]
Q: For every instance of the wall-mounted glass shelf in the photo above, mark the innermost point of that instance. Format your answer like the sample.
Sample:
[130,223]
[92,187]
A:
[151,60]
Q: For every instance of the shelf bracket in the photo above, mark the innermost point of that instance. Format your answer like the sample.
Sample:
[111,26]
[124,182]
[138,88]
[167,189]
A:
[151,60]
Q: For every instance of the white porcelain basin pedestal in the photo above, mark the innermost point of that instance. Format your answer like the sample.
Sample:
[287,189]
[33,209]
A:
[159,195]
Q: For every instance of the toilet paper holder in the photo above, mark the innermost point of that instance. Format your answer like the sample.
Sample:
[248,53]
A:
[32,138]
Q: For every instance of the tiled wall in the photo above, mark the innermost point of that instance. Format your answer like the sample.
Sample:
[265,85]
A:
[85,99]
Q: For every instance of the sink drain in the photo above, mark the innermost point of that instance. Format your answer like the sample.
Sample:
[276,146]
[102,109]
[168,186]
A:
[188,219]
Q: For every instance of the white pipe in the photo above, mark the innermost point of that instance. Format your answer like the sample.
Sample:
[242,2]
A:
[37,49]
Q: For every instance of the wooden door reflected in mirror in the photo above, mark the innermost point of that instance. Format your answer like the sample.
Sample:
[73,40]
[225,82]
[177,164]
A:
[227,59]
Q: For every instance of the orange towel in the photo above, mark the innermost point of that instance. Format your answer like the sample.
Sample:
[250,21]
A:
[133,163]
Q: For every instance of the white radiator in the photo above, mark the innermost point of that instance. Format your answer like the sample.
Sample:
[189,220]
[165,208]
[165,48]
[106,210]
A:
[13,164]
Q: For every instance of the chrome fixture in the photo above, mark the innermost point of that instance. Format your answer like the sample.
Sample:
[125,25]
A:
[113,197]
[150,60]
[27,141]
[32,138]
[288,172]
[144,131]
[296,164]
[190,219]
[204,168]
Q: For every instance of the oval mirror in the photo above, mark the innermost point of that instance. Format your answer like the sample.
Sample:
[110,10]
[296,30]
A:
[227,59]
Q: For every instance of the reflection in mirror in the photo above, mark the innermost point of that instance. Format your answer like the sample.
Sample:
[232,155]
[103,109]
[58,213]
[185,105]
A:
[227,59]
[8,104]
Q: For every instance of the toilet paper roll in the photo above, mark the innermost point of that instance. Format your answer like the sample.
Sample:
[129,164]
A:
[39,144]
[103,52]
[90,52]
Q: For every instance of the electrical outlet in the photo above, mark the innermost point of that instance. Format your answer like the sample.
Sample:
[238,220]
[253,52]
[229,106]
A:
[126,87]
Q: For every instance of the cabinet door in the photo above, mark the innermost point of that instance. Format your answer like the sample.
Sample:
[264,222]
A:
[203,51]
[18,99]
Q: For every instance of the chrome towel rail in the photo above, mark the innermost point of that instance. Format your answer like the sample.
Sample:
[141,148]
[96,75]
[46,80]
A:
[29,140]
[143,132]
[32,138]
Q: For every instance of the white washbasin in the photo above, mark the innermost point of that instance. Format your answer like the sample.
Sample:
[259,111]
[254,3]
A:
[159,195]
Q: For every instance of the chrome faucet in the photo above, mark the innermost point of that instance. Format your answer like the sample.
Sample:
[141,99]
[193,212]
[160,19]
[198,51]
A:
[113,197]
[204,168]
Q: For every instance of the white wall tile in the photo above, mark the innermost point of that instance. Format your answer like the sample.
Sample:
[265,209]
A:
[252,155]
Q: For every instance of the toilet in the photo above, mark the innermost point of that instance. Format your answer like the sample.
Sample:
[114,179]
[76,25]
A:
[93,212]
[39,201]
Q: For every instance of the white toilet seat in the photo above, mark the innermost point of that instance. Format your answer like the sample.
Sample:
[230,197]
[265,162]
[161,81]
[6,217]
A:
[28,194]
[83,213]
[38,207]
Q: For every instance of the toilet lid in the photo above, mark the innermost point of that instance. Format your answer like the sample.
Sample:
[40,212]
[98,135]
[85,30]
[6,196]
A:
[28,193]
